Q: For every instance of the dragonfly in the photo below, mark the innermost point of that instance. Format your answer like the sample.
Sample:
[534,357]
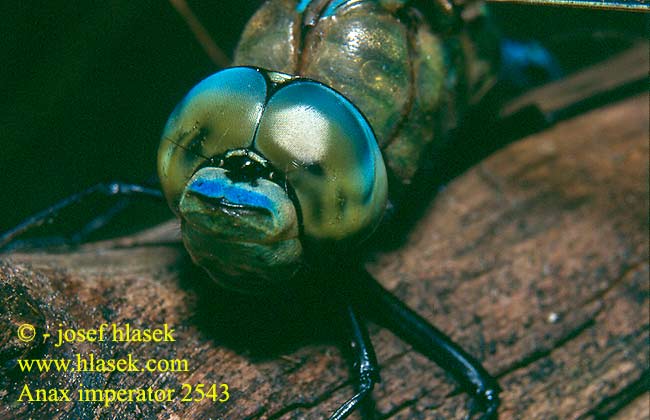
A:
[253,209]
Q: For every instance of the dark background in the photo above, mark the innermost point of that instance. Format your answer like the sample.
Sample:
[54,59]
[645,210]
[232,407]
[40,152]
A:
[88,85]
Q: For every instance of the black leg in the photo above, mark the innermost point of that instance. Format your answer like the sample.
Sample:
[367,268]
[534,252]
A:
[108,189]
[433,343]
[365,364]
[100,221]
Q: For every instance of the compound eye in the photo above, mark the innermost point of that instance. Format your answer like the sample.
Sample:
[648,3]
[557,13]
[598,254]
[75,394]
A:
[218,114]
[330,157]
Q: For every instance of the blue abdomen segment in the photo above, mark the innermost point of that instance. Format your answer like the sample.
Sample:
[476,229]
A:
[527,63]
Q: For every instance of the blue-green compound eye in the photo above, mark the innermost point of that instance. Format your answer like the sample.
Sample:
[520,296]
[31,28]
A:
[261,166]
[218,114]
[329,154]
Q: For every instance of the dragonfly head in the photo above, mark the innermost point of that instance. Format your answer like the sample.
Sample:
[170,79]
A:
[268,173]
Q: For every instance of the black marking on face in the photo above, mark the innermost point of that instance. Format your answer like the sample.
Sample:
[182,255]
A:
[196,144]
[244,169]
[315,169]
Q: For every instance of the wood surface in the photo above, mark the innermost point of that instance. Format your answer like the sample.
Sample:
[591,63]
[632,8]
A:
[535,261]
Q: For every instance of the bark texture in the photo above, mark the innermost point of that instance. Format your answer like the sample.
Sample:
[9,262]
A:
[535,261]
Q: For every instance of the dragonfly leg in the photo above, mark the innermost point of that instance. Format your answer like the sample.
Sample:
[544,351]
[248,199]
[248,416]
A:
[365,364]
[116,189]
[433,343]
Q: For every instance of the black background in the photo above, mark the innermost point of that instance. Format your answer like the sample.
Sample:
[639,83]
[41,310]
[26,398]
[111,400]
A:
[88,85]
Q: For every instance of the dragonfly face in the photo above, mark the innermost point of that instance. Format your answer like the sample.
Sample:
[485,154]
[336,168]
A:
[269,171]
[265,169]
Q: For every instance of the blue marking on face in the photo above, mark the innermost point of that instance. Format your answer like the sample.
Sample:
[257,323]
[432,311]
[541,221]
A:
[220,189]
